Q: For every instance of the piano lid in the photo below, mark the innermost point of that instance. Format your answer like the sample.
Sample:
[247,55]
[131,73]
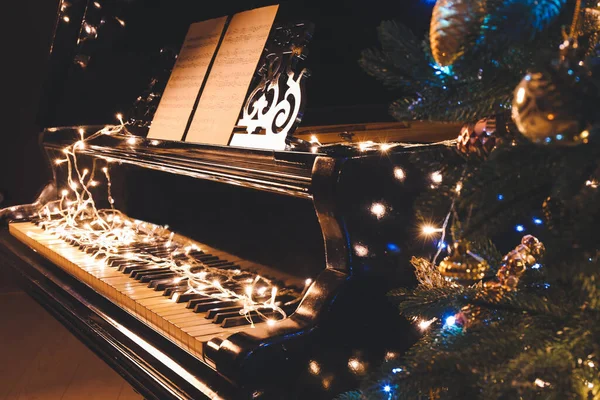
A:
[107,53]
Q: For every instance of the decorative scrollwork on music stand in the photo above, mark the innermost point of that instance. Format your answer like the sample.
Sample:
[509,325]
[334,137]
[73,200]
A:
[274,108]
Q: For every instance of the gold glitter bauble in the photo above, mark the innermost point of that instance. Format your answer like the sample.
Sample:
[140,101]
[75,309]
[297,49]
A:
[462,265]
[546,113]
[452,22]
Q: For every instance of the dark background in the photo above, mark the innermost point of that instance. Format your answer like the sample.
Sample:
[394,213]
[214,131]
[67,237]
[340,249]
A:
[338,90]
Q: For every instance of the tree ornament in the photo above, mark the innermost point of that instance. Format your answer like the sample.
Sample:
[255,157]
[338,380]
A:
[516,262]
[477,139]
[452,22]
[555,106]
[462,265]
[468,316]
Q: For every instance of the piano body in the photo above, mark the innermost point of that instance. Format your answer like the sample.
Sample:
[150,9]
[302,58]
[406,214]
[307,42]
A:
[319,235]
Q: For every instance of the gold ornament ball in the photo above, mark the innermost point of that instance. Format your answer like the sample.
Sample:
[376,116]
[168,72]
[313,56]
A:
[452,22]
[462,265]
[545,114]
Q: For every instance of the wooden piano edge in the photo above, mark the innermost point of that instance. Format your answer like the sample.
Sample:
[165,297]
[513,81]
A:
[106,330]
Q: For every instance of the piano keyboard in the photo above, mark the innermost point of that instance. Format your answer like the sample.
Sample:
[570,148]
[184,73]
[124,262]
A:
[155,296]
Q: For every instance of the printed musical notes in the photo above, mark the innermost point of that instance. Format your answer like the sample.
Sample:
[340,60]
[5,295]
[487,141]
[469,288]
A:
[177,103]
[230,76]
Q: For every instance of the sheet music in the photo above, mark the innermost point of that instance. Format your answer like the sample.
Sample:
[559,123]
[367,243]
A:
[230,76]
[177,103]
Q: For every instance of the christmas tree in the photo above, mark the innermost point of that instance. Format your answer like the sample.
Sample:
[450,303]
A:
[510,308]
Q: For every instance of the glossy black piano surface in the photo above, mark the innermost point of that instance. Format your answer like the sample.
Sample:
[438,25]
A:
[341,215]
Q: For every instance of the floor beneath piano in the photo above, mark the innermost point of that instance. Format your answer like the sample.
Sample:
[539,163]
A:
[40,359]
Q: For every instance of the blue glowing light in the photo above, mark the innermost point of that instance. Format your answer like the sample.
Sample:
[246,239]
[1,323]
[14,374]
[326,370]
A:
[441,245]
[387,388]
[548,140]
[559,137]
[451,320]
[500,197]
[396,370]
[392,247]
[570,72]
[536,266]
[447,70]
[538,221]
[519,228]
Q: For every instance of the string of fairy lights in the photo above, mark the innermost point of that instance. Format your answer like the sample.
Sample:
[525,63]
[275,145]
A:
[75,218]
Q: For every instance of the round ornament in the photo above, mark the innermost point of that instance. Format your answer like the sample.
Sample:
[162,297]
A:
[546,114]
[462,265]
[477,139]
[452,22]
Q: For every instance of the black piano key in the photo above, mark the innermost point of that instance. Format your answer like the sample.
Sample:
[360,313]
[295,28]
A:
[192,303]
[204,307]
[185,297]
[205,258]
[162,284]
[212,313]
[127,269]
[182,287]
[243,319]
[220,317]
[137,274]
[160,275]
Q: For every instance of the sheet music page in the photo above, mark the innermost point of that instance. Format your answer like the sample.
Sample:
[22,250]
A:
[177,103]
[230,76]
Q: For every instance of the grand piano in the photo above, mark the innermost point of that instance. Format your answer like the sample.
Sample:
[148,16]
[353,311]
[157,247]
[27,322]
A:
[248,273]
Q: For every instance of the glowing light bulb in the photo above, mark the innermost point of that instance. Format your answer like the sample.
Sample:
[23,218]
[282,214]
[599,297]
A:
[436,177]
[424,324]
[364,146]
[154,142]
[590,385]
[520,95]
[313,139]
[429,230]
[385,147]
[519,228]
[585,134]
[132,140]
[450,321]
[104,169]
[378,209]
[314,367]
[120,21]
[97,5]
[64,192]
[399,174]
[387,388]
[271,322]
[361,251]
[458,187]
[120,118]
[308,281]
[66,19]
